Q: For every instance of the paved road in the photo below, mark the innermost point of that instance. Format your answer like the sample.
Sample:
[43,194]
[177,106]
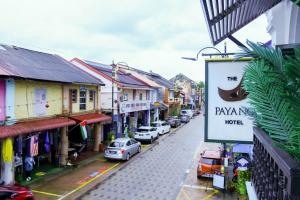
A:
[158,173]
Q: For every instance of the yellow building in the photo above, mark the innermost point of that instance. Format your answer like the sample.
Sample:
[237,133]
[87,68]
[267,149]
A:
[47,102]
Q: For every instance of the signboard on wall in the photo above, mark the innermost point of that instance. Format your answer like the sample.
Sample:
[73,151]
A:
[227,107]
[132,106]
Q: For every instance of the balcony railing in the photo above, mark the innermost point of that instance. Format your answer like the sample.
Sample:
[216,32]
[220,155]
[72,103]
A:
[275,174]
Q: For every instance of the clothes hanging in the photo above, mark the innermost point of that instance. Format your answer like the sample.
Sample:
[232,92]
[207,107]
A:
[7,150]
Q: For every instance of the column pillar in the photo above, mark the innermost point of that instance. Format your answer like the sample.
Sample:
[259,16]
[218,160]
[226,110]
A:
[64,145]
[97,136]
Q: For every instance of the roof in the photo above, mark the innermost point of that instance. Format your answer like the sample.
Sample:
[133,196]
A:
[161,80]
[182,77]
[212,154]
[124,79]
[24,63]
[91,118]
[34,126]
[226,17]
[143,77]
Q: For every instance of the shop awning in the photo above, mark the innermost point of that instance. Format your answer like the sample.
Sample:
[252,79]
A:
[225,17]
[91,118]
[34,126]
[161,106]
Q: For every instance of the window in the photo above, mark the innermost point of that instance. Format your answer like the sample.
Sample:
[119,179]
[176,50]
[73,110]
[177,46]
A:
[74,96]
[116,144]
[133,141]
[147,95]
[134,94]
[128,143]
[82,102]
[125,97]
[92,94]
[141,96]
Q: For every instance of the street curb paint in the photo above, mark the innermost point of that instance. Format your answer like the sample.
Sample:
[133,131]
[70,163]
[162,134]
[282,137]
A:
[87,182]
[46,193]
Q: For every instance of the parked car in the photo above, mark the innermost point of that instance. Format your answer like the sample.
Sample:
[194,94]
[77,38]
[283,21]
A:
[210,162]
[174,121]
[198,112]
[122,149]
[184,118]
[161,126]
[187,112]
[16,192]
[146,133]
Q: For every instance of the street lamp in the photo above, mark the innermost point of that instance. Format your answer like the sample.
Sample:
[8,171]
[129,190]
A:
[195,59]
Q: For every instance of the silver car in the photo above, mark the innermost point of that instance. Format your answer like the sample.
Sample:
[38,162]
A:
[122,149]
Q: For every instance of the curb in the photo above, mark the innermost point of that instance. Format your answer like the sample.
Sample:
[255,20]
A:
[80,196]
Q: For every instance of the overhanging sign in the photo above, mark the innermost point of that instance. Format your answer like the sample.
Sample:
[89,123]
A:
[227,107]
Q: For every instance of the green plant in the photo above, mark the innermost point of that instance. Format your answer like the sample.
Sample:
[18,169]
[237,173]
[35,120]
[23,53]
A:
[131,134]
[243,176]
[273,84]
[110,137]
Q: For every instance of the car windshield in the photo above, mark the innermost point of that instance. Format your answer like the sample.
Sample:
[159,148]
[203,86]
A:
[142,130]
[155,125]
[183,112]
[210,161]
[116,144]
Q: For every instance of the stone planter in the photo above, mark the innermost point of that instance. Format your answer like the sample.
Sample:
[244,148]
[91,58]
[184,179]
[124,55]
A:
[276,175]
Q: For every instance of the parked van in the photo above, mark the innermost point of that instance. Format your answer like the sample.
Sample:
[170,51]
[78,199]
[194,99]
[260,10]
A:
[210,162]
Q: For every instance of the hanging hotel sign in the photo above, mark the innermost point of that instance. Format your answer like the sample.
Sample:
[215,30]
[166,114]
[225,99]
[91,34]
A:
[226,108]
[132,106]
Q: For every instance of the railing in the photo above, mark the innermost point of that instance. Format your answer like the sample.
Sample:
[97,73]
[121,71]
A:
[275,174]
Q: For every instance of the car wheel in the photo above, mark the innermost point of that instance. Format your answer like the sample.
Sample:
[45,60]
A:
[140,149]
[127,156]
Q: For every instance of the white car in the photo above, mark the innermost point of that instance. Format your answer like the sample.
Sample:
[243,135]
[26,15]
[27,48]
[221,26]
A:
[190,113]
[161,126]
[146,133]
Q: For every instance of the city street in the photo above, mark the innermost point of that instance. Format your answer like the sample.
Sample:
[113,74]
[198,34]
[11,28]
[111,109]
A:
[160,172]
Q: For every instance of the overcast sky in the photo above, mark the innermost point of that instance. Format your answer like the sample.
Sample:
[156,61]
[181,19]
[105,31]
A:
[148,34]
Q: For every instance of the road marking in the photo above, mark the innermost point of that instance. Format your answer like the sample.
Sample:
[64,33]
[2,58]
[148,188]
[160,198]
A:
[186,196]
[178,195]
[211,195]
[88,182]
[198,187]
[46,193]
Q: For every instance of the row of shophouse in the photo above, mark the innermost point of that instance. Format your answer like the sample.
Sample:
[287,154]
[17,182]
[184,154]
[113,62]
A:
[46,102]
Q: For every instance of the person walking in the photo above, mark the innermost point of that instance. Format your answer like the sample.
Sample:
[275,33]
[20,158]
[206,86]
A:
[29,162]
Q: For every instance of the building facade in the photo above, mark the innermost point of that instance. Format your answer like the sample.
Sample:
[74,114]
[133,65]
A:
[44,98]
[124,96]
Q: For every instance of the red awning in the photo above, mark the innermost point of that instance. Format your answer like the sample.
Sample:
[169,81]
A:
[91,118]
[34,126]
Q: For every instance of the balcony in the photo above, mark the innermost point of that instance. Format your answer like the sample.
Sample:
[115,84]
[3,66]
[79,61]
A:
[275,174]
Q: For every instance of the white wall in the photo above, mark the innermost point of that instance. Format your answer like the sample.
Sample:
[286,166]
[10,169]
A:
[106,91]
[284,23]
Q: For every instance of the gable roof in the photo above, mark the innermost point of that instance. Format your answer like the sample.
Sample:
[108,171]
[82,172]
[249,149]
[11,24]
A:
[182,77]
[24,63]
[124,79]
[156,78]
